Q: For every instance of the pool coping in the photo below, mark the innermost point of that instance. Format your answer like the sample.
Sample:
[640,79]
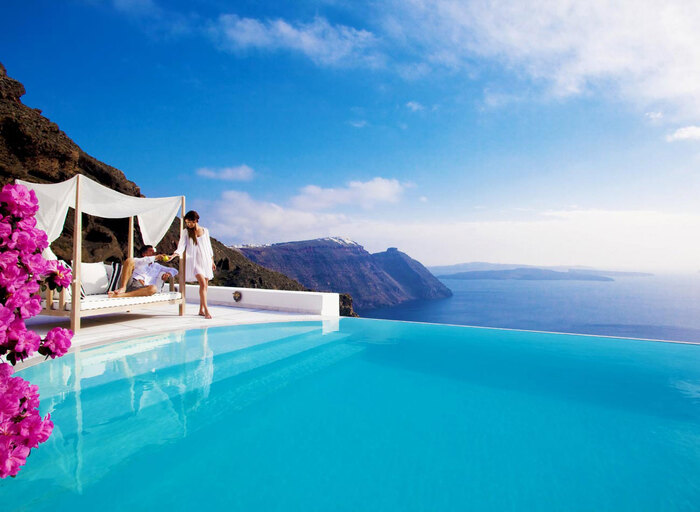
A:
[682,342]
[269,317]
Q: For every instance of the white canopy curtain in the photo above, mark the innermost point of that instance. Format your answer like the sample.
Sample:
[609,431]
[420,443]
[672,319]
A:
[155,214]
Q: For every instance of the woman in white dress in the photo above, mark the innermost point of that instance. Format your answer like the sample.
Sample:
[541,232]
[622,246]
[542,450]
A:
[199,262]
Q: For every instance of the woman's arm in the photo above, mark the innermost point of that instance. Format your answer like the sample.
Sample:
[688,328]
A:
[182,244]
[209,248]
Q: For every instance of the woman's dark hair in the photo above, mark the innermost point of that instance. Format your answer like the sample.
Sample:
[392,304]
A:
[192,232]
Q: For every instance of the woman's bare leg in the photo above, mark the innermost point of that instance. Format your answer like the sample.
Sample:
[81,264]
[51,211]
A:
[202,294]
[203,285]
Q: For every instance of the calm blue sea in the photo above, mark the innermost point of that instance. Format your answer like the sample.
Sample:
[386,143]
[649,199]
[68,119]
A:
[658,307]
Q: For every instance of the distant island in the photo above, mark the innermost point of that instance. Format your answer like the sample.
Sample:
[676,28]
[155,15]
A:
[483,270]
[527,274]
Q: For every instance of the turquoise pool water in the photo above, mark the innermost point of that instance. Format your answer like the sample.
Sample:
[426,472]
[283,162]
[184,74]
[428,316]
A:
[367,415]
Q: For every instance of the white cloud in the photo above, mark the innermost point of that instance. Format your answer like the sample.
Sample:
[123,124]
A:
[633,240]
[236,216]
[319,40]
[365,194]
[237,173]
[414,70]
[654,116]
[646,51]
[423,199]
[495,99]
[685,133]
[414,106]
[358,124]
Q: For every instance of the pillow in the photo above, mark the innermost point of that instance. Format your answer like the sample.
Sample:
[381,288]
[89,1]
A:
[114,274]
[94,278]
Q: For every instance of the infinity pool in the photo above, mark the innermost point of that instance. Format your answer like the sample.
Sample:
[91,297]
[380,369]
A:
[367,415]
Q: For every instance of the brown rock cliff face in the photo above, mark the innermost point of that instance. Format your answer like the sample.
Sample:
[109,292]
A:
[33,148]
[333,264]
[416,280]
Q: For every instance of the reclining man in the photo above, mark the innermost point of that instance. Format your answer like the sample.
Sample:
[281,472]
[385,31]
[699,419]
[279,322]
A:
[140,275]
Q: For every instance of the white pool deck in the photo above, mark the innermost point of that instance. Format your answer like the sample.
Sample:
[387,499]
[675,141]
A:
[102,329]
[256,306]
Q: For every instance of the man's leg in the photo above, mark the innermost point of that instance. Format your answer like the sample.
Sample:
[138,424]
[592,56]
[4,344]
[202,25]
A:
[144,291]
[127,271]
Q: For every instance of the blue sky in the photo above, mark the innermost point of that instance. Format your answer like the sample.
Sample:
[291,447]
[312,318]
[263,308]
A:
[554,132]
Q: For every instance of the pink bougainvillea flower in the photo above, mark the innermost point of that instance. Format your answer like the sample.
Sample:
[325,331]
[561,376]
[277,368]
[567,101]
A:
[22,285]
[45,430]
[27,344]
[58,274]
[20,341]
[35,264]
[6,372]
[51,266]
[12,278]
[19,201]
[5,228]
[26,224]
[33,430]
[56,343]
[6,317]
[10,406]
[32,286]
[22,241]
[17,299]
[12,457]
[40,239]
[9,259]
[26,393]
[63,276]
[11,394]
[22,269]
[31,308]
[21,425]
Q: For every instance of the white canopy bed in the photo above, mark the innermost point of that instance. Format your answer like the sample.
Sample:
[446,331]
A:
[84,195]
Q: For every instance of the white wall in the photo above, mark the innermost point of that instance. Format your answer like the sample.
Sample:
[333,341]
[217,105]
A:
[316,303]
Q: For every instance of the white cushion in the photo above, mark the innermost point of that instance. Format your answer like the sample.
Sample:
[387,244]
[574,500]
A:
[104,301]
[93,277]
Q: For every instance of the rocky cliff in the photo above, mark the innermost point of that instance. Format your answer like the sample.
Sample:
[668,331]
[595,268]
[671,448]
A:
[33,148]
[338,265]
[415,279]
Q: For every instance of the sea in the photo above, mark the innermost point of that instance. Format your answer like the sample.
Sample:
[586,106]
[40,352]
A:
[664,307]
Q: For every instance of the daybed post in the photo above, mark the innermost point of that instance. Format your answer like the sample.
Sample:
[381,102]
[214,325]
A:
[130,250]
[77,258]
[182,267]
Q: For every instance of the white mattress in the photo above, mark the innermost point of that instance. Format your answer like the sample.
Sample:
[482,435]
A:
[104,301]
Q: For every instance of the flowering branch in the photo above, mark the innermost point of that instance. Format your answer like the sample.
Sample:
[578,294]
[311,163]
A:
[23,272]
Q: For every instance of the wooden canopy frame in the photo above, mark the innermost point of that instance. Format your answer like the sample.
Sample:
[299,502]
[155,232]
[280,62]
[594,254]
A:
[75,312]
